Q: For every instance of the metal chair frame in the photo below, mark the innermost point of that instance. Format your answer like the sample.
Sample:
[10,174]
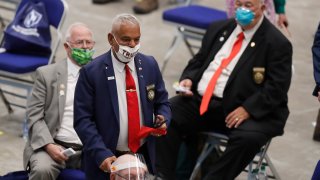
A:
[218,141]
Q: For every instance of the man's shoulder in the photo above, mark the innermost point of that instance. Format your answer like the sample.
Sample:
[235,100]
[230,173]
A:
[145,58]
[52,67]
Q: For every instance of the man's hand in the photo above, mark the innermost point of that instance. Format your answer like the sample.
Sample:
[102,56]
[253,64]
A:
[283,21]
[160,120]
[55,152]
[106,164]
[187,83]
[236,117]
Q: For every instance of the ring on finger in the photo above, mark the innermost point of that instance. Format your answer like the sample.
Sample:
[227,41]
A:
[237,119]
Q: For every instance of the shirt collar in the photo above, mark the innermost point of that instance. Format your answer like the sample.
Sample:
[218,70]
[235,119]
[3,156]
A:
[119,66]
[248,34]
[73,69]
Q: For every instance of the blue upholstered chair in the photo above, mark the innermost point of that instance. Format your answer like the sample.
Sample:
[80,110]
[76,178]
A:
[14,68]
[66,174]
[191,22]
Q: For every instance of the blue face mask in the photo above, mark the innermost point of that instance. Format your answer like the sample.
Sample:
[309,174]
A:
[244,16]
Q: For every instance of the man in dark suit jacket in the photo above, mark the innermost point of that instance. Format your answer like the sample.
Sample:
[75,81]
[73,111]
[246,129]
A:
[316,62]
[101,116]
[249,101]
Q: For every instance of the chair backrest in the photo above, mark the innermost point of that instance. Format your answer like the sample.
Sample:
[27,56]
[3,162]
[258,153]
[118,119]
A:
[55,10]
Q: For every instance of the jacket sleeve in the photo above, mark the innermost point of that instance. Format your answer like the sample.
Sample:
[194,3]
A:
[84,120]
[279,6]
[39,133]
[316,60]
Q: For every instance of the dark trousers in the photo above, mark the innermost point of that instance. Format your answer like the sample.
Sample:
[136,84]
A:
[186,121]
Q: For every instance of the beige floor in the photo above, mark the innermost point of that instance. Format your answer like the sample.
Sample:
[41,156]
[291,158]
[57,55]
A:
[294,154]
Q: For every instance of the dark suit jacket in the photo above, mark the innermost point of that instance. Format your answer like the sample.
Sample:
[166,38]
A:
[316,61]
[265,102]
[96,108]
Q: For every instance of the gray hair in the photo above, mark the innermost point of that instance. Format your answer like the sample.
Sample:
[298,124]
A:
[123,19]
[74,25]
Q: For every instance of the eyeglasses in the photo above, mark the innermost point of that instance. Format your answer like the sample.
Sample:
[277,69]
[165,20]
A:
[83,43]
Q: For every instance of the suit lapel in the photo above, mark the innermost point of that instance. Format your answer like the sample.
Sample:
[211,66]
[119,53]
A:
[62,76]
[250,49]
[111,84]
[218,43]
[142,85]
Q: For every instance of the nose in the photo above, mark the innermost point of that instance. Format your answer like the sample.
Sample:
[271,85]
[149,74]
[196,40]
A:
[132,43]
[85,45]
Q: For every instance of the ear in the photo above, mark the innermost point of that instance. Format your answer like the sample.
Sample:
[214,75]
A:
[66,46]
[110,39]
[263,7]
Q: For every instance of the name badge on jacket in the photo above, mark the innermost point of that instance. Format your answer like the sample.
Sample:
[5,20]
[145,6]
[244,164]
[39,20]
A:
[258,74]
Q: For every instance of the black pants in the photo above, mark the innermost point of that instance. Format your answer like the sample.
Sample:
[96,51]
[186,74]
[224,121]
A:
[186,121]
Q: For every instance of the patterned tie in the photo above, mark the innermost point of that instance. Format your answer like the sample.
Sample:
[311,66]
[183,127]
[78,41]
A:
[224,63]
[133,112]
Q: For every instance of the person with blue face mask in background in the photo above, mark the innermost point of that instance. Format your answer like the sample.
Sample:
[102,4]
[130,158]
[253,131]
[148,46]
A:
[50,109]
[236,84]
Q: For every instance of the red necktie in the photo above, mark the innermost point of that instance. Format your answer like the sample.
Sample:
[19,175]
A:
[133,112]
[224,63]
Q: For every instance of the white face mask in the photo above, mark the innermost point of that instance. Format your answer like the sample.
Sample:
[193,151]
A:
[126,53]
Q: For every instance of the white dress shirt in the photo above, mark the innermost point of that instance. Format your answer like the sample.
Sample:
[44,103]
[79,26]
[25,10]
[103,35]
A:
[223,53]
[120,76]
[66,132]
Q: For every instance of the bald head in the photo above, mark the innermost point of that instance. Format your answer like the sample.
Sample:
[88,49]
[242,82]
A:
[128,166]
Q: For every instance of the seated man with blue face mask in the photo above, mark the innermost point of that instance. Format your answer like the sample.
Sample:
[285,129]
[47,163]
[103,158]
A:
[237,84]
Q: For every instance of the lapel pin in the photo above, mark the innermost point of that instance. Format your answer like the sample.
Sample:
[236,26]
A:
[221,39]
[252,44]
[224,33]
[61,92]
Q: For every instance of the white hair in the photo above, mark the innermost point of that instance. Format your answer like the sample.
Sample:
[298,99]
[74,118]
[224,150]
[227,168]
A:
[123,19]
[74,25]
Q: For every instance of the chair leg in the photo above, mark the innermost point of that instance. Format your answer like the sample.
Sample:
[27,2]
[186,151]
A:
[272,168]
[174,45]
[207,149]
[6,102]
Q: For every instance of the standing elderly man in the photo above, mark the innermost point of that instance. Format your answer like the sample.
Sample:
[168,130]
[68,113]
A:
[120,98]
[50,109]
[237,83]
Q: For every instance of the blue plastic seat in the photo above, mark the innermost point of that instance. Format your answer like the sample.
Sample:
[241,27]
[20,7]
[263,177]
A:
[194,16]
[191,22]
[66,174]
[16,70]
